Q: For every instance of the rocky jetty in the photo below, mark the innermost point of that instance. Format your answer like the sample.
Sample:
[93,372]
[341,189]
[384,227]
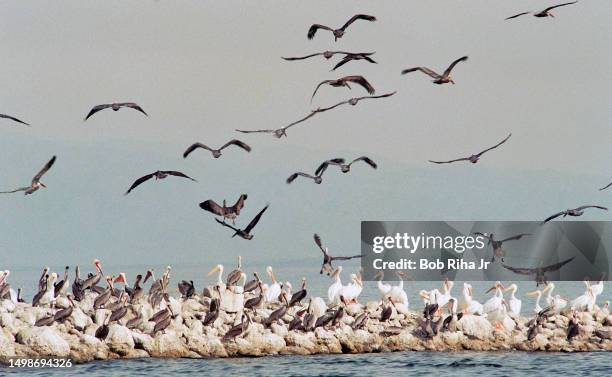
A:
[86,334]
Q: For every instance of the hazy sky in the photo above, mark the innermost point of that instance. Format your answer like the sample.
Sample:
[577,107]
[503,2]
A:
[201,69]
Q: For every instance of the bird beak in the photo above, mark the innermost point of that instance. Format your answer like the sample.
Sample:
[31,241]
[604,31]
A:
[43,185]
[147,276]
[532,294]
[215,269]
[424,295]
[491,289]
[119,279]
[546,289]
[379,275]
[470,291]
[508,289]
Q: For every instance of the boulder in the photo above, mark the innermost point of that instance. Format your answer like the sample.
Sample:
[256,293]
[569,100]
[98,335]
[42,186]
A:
[45,341]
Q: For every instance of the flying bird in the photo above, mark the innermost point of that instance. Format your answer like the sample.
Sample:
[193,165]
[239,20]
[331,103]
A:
[439,79]
[280,132]
[4,116]
[327,258]
[539,272]
[475,157]
[496,245]
[338,33]
[543,13]
[216,152]
[160,174]
[344,81]
[224,211]
[351,57]
[345,168]
[246,232]
[317,178]
[115,106]
[575,212]
[36,183]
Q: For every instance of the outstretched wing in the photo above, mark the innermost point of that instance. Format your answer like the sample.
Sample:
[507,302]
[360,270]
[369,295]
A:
[312,113]
[254,131]
[372,97]
[237,143]
[139,181]
[361,81]
[193,147]
[365,159]
[211,206]
[516,15]
[302,57]
[334,161]
[342,62]
[318,86]
[556,266]
[13,191]
[227,225]
[97,108]
[495,146]
[313,29]
[517,237]
[347,258]
[559,5]
[591,206]
[134,106]
[317,240]
[552,217]
[425,70]
[255,220]
[13,119]
[178,174]
[239,203]
[605,187]
[453,64]
[521,271]
[293,176]
[358,17]
[42,171]
[450,161]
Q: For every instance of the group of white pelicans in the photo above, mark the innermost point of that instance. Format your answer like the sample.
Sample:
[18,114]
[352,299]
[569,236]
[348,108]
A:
[233,296]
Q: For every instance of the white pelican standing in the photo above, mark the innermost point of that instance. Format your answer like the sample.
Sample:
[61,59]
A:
[557,302]
[538,295]
[274,289]
[495,303]
[398,296]
[586,301]
[471,305]
[349,293]
[514,304]
[598,287]
[383,288]
[443,299]
[218,268]
[334,289]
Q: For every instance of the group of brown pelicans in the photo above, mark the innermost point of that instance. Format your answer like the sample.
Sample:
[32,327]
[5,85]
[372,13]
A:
[118,302]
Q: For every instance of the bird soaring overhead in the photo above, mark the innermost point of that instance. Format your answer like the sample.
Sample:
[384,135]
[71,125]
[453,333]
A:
[216,152]
[318,177]
[575,212]
[4,116]
[328,259]
[475,157]
[344,81]
[345,168]
[160,174]
[36,183]
[543,13]
[539,272]
[227,212]
[438,78]
[339,33]
[246,232]
[115,106]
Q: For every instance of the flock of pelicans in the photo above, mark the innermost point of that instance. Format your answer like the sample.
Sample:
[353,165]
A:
[244,298]
[273,302]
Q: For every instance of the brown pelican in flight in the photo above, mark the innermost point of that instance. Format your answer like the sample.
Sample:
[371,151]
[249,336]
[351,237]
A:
[246,232]
[4,116]
[280,132]
[539,272]
[605,187]
[224,211]
[351,57]
[338,33]
[160,174]
[36,183]
[345,168]
[344,81]
[115,106]
[543,13]
[327,258]
[216,152]
[444,78]
[496,245]
[575,212]
[318,177]
[475,157]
